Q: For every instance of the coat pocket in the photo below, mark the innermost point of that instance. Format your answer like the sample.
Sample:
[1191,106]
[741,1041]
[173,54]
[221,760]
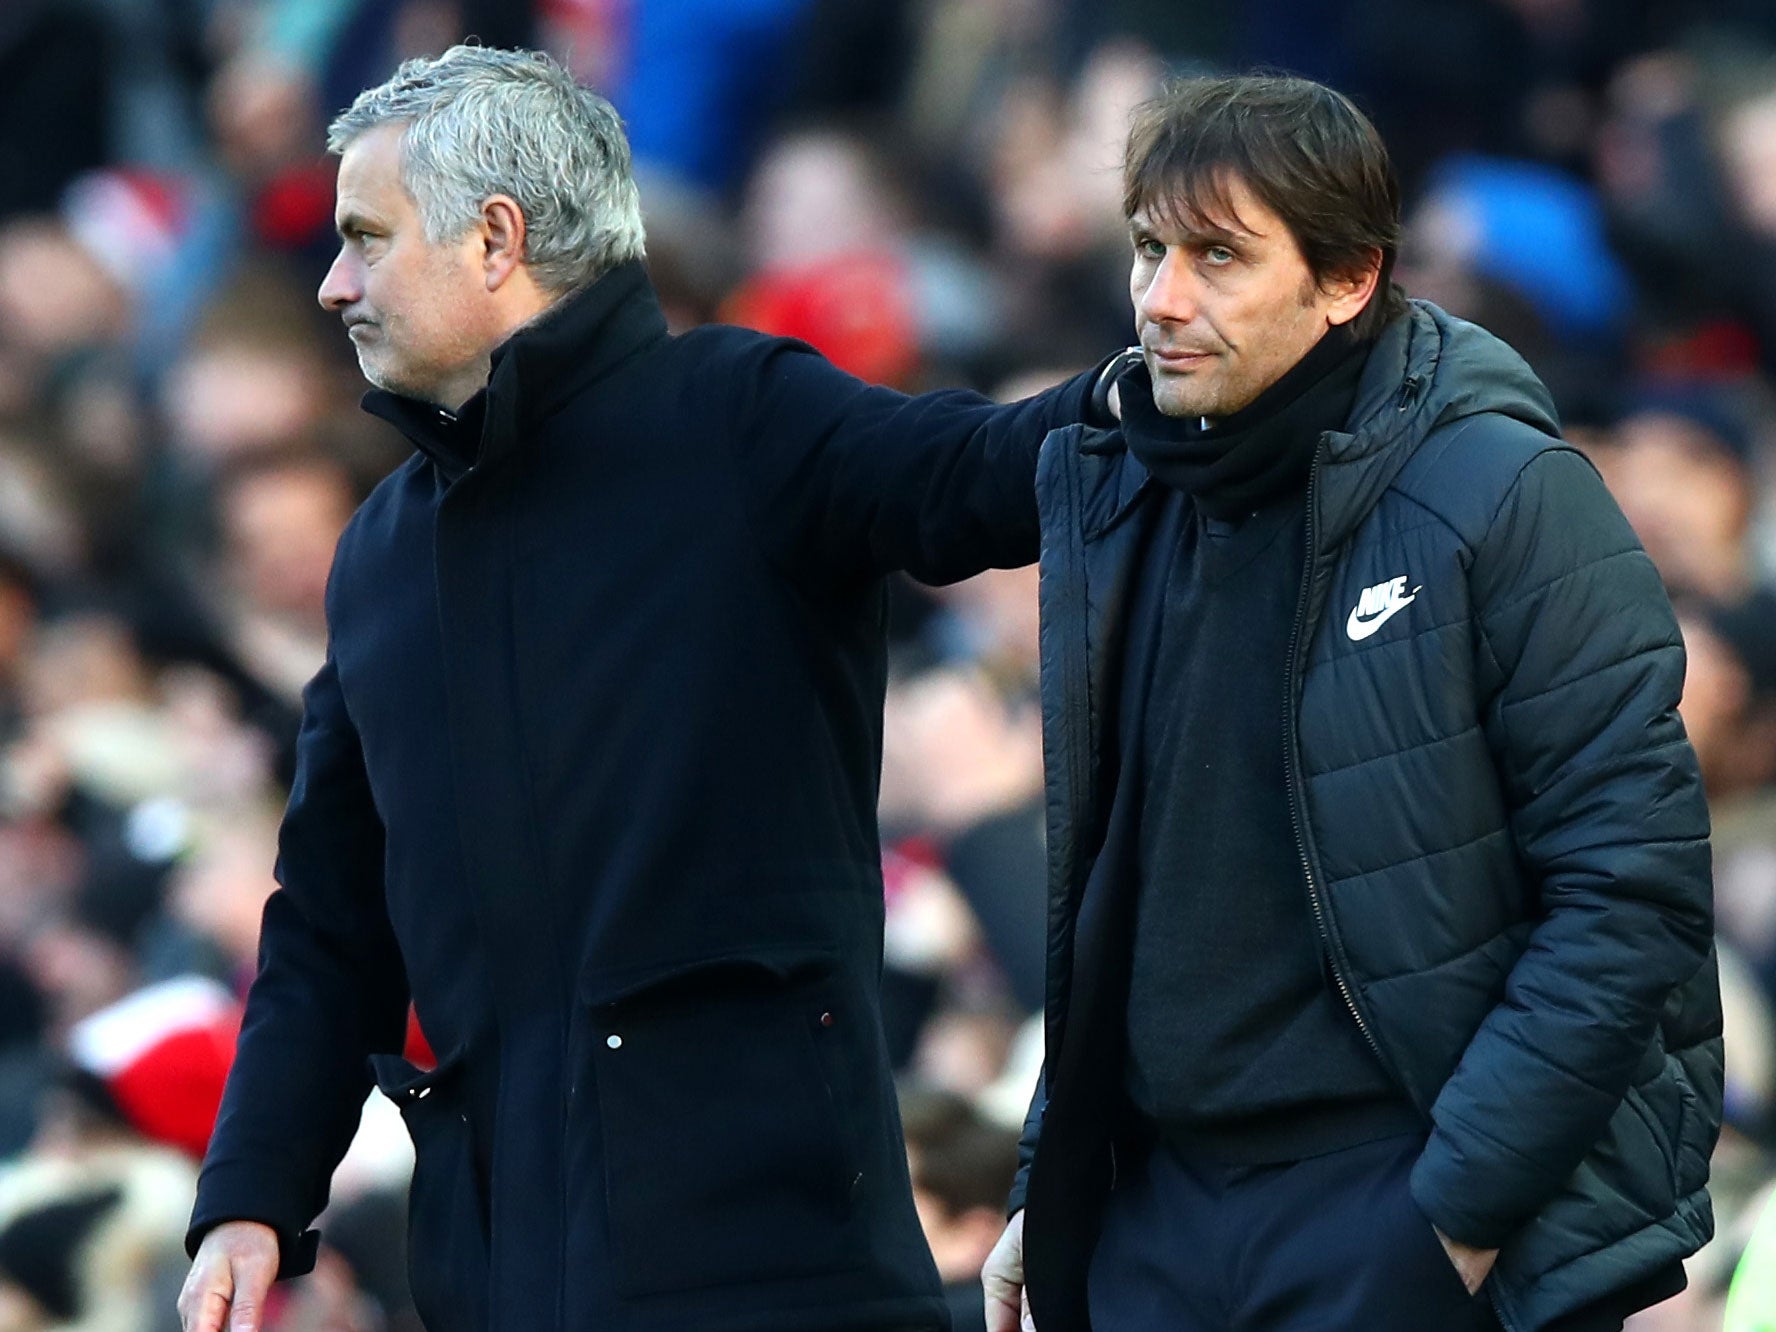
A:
[446,1219]
[724,1157]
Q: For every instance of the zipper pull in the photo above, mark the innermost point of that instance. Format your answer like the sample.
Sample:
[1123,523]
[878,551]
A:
[1409,390]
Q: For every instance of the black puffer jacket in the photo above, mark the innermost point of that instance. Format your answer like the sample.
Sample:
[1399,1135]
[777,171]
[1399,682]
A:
[1500,823]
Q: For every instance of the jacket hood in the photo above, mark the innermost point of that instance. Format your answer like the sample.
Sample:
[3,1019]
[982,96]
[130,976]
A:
[1458,369]
[1428,371]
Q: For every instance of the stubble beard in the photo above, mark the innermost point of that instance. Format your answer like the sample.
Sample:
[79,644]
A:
[379,375]
[1187,396]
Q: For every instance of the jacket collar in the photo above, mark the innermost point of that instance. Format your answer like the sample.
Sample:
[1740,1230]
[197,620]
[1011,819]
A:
[539,368]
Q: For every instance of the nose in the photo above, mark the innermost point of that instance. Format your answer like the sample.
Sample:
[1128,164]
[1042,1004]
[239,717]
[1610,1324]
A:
[343,284]
[1170,296]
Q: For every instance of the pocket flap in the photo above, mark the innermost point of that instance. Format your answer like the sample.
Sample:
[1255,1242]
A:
[402,1081]
[784,964]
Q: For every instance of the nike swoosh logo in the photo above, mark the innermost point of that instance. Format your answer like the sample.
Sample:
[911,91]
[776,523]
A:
[1359,628]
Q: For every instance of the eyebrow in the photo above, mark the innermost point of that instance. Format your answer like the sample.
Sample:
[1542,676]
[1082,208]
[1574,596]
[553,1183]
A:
[1210,235]
[349,224]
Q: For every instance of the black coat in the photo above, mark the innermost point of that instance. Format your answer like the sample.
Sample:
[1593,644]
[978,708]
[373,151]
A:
[591,773]
[1500,824]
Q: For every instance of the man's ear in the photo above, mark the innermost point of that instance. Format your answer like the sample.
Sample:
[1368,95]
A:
[502,230]
[1350,292]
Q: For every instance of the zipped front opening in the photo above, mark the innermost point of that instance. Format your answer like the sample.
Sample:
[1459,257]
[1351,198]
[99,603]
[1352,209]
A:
[1292,765]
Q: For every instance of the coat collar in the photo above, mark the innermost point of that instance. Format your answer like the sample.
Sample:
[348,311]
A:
[538,369]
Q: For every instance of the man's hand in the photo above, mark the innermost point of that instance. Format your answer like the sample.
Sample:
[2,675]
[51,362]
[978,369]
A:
[229,1279]
[1473,1265]
[1002,1277]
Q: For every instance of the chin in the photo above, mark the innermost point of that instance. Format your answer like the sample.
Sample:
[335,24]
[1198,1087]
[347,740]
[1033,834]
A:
[380,377]
[1171,403]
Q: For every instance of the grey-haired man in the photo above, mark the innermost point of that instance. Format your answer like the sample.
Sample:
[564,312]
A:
[590,771]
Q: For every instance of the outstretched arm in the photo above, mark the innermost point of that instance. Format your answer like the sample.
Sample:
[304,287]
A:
[851,480]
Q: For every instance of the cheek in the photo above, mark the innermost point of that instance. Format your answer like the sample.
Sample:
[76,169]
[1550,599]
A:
[1281,332]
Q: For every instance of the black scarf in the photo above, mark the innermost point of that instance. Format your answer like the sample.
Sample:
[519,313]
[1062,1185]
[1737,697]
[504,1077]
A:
[1262,451]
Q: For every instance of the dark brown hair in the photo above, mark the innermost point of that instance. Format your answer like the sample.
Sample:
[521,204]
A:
[1303,150]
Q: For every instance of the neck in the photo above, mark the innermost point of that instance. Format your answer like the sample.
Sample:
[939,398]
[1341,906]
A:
[452,394]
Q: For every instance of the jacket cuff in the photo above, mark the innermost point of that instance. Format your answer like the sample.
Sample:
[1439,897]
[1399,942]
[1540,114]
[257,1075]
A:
[1436,1186]
[234,1192]
[296,1253]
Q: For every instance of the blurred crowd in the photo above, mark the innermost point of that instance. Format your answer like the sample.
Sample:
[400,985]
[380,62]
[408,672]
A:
[926,190]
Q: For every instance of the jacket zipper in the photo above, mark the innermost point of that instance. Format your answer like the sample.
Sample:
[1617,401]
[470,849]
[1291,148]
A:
[1292,763]
[1292,766]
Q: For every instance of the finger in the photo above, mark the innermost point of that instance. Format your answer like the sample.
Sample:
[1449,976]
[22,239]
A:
[247,1313]
[210,1312]
[251,1285]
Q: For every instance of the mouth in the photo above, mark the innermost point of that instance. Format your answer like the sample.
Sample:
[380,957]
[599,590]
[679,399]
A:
[1178,358]
[355,326]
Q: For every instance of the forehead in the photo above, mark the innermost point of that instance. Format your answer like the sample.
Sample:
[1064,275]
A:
[1221,207]
[370,174]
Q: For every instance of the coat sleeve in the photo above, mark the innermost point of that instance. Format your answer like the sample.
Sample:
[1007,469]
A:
[851,480]
[330,990]
[1581,666]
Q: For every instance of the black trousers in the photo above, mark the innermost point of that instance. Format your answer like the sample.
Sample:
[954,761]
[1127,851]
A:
[1332,1243]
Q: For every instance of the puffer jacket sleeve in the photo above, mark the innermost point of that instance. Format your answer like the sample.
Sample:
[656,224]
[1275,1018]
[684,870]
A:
[330,990]
[1581,666]
[1020,1186]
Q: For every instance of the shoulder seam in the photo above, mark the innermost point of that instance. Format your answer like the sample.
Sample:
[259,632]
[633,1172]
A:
[1549,444]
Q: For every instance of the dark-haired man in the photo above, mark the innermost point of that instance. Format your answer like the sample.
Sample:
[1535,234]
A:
[1380,985]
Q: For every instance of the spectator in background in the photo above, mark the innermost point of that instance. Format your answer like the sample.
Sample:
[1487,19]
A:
[1729,711]
[826,251]
[19,610]
[1679,464]
[963,767]
[86,1249]
[281,517]
[90,1217]
[218,890]
[962,1164]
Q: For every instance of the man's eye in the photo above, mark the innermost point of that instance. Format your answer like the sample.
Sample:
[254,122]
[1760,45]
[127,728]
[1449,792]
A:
[1149,248]
[1218,255]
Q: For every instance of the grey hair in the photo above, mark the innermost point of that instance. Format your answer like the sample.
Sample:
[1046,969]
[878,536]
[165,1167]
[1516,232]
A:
[481,121]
